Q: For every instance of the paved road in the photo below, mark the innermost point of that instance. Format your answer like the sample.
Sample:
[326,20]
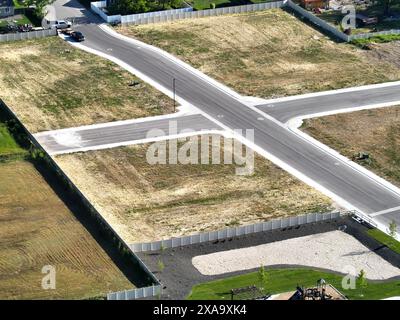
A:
[71,10]
[326,170]
[286,110]
[94,137]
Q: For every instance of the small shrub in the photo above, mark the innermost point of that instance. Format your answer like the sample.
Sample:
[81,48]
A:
[160,265]
[37,154]
[233,223]
[212,5]
[263,277]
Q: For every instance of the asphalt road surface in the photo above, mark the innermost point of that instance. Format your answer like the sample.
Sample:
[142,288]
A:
[71,10]
[286,110]
[71,140]
[368,195]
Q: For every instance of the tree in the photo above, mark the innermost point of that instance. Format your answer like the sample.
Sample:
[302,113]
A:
[141,6]
[163,3]
[175,3]
[263,277]
[39,6]
[387,5]
[362,281]
[122,7]
[392,229]
[125,7]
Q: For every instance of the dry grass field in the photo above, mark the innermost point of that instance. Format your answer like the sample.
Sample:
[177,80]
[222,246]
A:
[51,85]
[147,202]
[38,229]
[389,52]
[376,132]
[268,53]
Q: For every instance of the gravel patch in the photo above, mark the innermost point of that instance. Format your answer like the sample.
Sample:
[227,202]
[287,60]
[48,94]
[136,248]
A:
[179,275]
[334,250]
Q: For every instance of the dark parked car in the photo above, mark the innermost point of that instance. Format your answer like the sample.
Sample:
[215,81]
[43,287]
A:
[3,30]
[8,29]
[362,20]
[77,36]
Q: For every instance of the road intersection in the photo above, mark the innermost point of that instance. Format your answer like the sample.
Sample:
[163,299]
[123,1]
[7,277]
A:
[219,108]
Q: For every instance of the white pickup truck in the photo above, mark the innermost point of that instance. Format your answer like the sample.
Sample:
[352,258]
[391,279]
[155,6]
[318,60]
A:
[61,24]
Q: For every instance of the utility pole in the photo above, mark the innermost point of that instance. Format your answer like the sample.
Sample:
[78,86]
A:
[173,85]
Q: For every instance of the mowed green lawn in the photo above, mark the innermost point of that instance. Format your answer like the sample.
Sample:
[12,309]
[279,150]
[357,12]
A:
[385,239]
[8,146]
[284,280]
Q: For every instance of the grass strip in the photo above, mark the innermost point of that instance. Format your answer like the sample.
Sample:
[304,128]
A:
[284,280]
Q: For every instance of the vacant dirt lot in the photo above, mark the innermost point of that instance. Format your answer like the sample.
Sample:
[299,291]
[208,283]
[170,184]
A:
[51,85]
[265,54]
[376,132]
[37,229]
[149,202]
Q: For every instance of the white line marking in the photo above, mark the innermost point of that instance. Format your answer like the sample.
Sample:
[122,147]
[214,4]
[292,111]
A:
[384,211]
[330,92]
[344,110]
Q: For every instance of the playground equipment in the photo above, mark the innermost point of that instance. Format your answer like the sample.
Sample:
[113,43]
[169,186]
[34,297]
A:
[315,293]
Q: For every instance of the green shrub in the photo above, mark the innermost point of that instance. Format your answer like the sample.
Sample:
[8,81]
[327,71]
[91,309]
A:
[125,7]
[212,5]
[160,265]
[37,154]
[363,43]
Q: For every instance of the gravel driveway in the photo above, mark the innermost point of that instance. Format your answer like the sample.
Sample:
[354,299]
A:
[333,250]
